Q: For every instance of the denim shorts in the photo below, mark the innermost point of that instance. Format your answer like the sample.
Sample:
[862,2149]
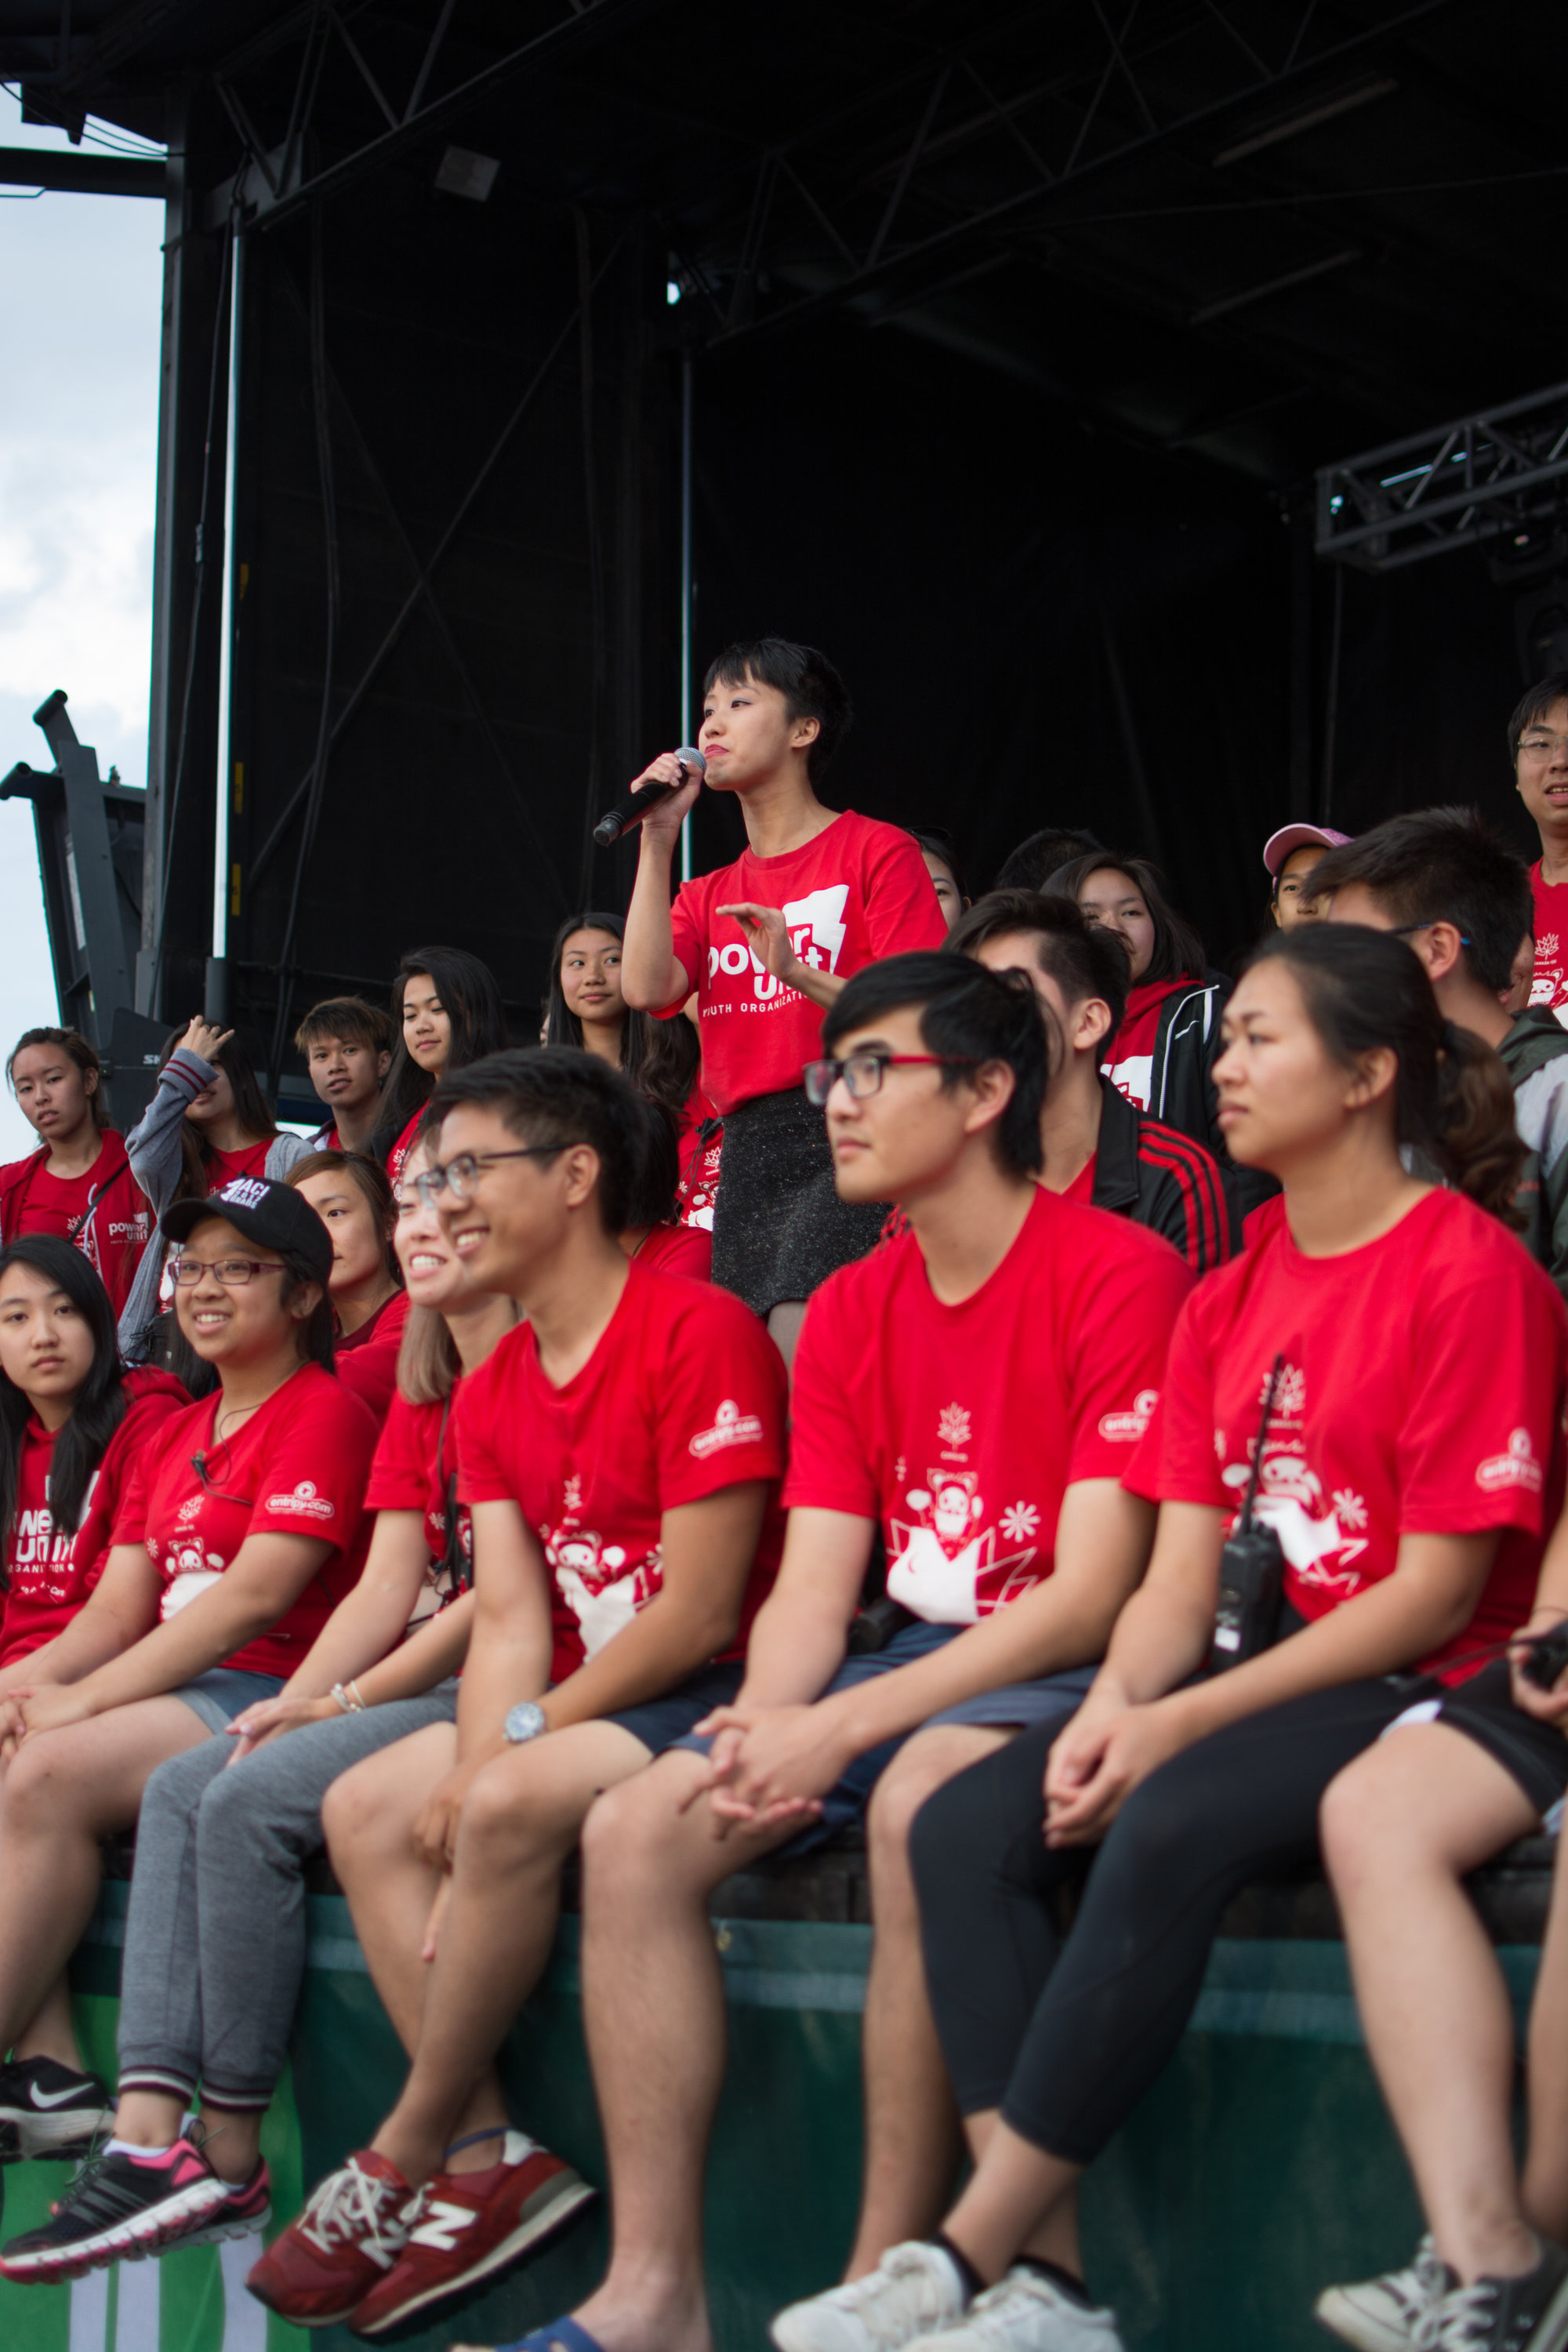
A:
[224,1692]
[662,1723]
[1012,1706]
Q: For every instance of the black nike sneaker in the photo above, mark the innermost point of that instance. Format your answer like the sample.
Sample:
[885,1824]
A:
[51,2110]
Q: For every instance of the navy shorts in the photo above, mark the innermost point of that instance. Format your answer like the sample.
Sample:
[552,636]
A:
[1012,1705]
[662,1723]
[224,1692]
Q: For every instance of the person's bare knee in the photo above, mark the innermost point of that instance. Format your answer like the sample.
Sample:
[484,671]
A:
[924,1764]
[652,1836]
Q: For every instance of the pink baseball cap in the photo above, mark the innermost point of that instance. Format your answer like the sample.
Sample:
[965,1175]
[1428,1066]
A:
[1278,845]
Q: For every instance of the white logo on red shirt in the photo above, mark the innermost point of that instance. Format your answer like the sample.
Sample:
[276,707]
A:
[304,1503]
[815,924]
[189,1510]
[941,1559]
[1290,1398]
[586,1570]
[245,1192]
[731,1427]
[1517,1467]
[192,1571]
[1125,1428]
[952,1426]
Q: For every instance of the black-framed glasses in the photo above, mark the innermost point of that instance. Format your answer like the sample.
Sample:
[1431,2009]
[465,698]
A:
[862,1072]
[1403,930]
[233,1273]
[460,1177]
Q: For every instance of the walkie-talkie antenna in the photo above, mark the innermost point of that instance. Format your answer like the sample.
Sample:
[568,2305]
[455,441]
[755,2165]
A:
[1243,1524]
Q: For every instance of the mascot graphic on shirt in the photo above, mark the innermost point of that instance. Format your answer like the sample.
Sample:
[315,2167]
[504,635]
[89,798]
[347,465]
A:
[1321,1545]
[602,1592]
[943,1553]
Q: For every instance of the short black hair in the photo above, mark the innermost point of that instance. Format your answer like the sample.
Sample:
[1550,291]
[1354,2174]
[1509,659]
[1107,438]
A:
[560,1096]
[350,1018]
[1084,959]
[1441,866]
[811,686]
[1178,950]
[1036,859]
[968,1012]
[1533,707]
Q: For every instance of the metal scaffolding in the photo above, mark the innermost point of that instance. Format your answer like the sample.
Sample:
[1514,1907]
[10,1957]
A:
[1496,474]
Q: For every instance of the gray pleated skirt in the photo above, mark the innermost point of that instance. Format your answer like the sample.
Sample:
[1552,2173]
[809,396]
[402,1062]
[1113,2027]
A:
[779,1227]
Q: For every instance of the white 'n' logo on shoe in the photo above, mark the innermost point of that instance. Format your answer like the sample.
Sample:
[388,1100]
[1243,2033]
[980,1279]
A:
[441,2224]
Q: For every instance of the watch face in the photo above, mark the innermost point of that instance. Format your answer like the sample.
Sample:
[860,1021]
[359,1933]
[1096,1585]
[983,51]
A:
[524,1721]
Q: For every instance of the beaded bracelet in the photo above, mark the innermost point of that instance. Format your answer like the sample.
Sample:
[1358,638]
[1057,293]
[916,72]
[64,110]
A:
[348,1699]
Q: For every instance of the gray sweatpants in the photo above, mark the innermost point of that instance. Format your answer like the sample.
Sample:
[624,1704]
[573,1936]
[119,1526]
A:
[215,1938]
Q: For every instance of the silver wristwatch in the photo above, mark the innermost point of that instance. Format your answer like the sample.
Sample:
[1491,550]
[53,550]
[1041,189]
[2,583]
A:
[524,1721]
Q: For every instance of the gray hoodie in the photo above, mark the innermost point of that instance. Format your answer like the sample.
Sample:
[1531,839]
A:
[157,1163]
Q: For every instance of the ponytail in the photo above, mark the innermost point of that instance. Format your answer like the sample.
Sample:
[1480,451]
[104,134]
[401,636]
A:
[1366,990]
[1475,1142]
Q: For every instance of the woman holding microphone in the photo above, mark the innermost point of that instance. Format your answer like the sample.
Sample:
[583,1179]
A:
[767,943]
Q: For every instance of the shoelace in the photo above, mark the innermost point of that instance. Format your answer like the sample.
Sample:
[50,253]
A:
[1415,2290]
[1460,2321]
[352,2206]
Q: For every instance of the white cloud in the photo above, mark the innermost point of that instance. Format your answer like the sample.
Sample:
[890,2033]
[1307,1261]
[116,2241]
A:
[82,282]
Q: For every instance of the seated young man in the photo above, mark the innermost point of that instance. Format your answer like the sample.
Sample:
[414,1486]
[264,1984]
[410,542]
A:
[1099,1147]
[1463,900]
[347,1044]
[618,1453]
[976,1385]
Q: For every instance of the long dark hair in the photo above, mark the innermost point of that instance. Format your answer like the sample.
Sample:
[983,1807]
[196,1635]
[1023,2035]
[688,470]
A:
[251,1108]
[73,1043]
[1452,1098]
[99,1404]
[472,1003]
[1178,950]
[661,1058]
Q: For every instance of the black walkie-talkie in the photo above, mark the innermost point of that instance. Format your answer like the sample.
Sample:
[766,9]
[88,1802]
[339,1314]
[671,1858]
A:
[1251,1569]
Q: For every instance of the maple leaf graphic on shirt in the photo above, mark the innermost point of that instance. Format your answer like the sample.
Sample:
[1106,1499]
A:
[952,1426]
[1290,1398]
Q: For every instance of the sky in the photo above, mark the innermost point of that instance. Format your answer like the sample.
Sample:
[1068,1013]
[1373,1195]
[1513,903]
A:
[82,296]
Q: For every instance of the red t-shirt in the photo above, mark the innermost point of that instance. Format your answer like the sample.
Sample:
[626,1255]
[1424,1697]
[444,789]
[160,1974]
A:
[677,1249]
[34,1201]
[223,1166]
[684,1396]
[698,1154]
[1129,1061]
[961,1427]
[367,1359]
[52,1571]
[1550,986]
[397,1157]
[297,1467]
[856,893]
[416,1460]
[1423,1392]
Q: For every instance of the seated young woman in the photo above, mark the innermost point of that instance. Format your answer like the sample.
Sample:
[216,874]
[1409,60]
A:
[215,1945]
[350,1193]
[1452,1782]
[448,1012]
[1382,1353]
[208,1123]
[239,1534]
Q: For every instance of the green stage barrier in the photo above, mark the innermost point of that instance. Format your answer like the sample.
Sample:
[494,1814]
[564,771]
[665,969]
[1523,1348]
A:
[1262,2167]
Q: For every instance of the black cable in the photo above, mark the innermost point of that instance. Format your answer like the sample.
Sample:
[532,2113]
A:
[322,419]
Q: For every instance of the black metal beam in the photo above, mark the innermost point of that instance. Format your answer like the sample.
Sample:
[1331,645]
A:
[585,26]
[84,175]
[1026,204]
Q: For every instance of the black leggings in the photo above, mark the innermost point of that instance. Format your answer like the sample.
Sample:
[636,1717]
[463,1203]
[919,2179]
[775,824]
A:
[1066,2038]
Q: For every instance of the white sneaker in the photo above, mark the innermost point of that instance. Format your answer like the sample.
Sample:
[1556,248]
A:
[1383,2314]
[914,2290]
[1026,2312]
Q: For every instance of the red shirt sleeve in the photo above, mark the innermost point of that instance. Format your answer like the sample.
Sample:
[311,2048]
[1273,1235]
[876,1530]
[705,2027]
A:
[1474,1444]
[400,1473]
[902,910]
[310,1481]
[1119,1358]
[723,1396]
[829,1469]
[1176,1461]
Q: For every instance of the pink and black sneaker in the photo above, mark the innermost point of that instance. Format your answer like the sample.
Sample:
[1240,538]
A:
[121,2207]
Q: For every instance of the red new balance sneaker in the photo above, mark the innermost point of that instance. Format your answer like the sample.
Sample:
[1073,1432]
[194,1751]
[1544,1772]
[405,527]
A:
[346,2239]
[471,2225]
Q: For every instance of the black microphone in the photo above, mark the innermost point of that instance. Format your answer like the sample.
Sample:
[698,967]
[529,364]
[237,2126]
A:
[635,806]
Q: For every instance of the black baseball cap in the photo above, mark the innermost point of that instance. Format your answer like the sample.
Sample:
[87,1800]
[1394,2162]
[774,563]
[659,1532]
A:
[276,1215]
